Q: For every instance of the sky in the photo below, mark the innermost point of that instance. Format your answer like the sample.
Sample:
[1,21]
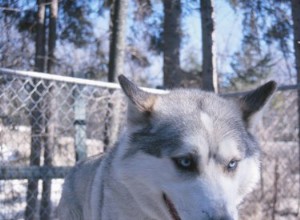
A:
[228,37]
[228,32]
[228,40]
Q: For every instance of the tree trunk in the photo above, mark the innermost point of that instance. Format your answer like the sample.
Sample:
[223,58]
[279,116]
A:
[171,45]
[45,211]
[296,26]
[52,35]
[117,39]
[209,73]
[118,14]
[36,117]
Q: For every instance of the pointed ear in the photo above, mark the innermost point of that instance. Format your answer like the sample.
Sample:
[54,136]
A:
[254,101]
[141,102]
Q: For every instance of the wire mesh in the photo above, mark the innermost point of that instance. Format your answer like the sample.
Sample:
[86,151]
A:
[45,125]
[277,196]
[48,124]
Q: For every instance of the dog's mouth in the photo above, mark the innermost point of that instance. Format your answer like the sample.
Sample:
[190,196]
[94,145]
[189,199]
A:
[171,207]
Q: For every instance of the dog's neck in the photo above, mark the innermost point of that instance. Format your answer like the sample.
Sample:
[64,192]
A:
[126,207]
[127,202]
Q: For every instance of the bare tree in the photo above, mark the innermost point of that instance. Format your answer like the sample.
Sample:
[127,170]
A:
[45,210]
[296,27]
[52,35]
[41,108]
[171,43]
[117,39]
[209,74]
[36,119]
[116,65]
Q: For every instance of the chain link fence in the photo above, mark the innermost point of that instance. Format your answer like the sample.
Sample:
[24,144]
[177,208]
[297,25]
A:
[278,194]
[49,122]
[45,126]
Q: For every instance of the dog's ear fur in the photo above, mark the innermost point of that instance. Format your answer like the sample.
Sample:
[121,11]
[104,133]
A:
[254,101]
[141,103]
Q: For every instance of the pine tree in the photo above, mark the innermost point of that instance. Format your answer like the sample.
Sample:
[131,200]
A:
[209,74]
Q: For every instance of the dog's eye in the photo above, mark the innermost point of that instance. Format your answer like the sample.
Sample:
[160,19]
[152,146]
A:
[187,163]
[232,165]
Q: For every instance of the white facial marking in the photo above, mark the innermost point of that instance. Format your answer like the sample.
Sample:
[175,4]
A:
[199,142]
[228,149]
[247,180]
[207,122]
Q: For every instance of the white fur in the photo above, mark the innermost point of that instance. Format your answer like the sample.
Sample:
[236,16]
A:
[207,122]
[228,149]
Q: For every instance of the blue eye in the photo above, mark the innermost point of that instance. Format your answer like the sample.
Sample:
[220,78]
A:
[187,163]
[232,165]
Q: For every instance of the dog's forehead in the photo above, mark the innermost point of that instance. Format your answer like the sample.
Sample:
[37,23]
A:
[187,102]
[184,120]
[211,138]
[204,119]
[197,110]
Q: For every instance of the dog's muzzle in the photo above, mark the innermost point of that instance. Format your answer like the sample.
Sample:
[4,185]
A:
[171,207]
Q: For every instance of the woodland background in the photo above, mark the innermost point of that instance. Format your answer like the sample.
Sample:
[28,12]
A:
[225,46]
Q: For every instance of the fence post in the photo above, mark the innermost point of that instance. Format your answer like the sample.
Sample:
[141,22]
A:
[80,124]
[37,123]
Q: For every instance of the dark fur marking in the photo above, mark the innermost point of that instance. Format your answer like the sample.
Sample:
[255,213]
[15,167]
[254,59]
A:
[164,138]
[256,99]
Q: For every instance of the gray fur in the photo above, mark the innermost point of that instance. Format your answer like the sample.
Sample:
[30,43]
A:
[164,129]
[128,182]
[165,138]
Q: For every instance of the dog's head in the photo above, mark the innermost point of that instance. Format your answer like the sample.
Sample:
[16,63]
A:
[189,154]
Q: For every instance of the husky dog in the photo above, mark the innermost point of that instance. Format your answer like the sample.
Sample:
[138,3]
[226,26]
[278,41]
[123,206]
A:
[185,155]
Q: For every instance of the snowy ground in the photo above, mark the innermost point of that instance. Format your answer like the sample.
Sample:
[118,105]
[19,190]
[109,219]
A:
[13,197]
[15,151]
